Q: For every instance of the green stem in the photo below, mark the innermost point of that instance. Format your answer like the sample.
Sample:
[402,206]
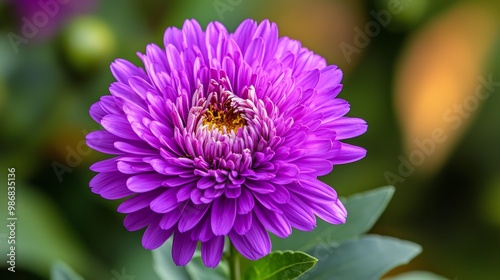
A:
[234,263]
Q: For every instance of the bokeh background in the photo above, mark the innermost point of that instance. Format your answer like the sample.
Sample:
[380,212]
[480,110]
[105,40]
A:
[423,74]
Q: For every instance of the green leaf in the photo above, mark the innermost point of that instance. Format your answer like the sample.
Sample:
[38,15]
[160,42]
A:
[280,265]
[61,271]
[416,275]
[369,257]
[363,210]
[164,265]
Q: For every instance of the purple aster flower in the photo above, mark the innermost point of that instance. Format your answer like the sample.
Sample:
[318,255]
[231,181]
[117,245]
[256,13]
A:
[223,134]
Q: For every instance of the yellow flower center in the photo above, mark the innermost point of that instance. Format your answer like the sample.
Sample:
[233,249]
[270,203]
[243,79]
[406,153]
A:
[227,116]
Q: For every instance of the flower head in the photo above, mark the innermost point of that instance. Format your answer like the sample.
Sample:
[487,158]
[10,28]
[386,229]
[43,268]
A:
[223,135]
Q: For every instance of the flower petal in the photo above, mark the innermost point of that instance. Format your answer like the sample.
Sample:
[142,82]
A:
[254,244]
[223,215]
[154,236]
[262,187]
[211,251]
[139,219]
[182,248]
[145,182]
[165,202]
[138,202]
[277,224]
[243,223]
[191,215]
[245,201]
[349,153]
[110,185]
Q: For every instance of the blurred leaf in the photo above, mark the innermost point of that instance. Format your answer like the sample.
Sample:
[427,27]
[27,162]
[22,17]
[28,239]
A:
[280,265]
[164,265]
[406,13]
[61,271]
[363,210]
[416,275]
[439,79]
[490,201]
[43,236]
[198,271]
[366,258]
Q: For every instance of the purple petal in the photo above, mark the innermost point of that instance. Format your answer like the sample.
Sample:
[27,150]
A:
[107,165]
[244,33]
[145,182]
[299,214]
[349,153]
[243,223]
[137,202]
[268,202]
[171,218]
[223,215]
[191,215]
[330,78]
[182,248]
[211,251]
[233,192]
[281,195]
[314,190]
[165,202]
[103,142]
[110,185]
[154,236]
[334,213]
[137,220]
[123,70]
[275,223]
[255,52]
[205,183]
[286,173]
[178,181]
[96,112]
[317,165]
[132,149]
[254,244]
[119,126]
[260,186]
[203,231]
[347,128]
[245,201]
[134,167]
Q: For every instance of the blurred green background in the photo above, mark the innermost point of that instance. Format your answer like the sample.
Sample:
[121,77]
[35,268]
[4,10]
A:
[416,71]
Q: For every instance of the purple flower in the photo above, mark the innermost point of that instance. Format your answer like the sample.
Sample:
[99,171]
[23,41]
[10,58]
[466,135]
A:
[44,17]
[223,135]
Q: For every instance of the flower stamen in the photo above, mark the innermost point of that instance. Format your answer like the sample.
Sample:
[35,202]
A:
[223,112]
[218,116]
